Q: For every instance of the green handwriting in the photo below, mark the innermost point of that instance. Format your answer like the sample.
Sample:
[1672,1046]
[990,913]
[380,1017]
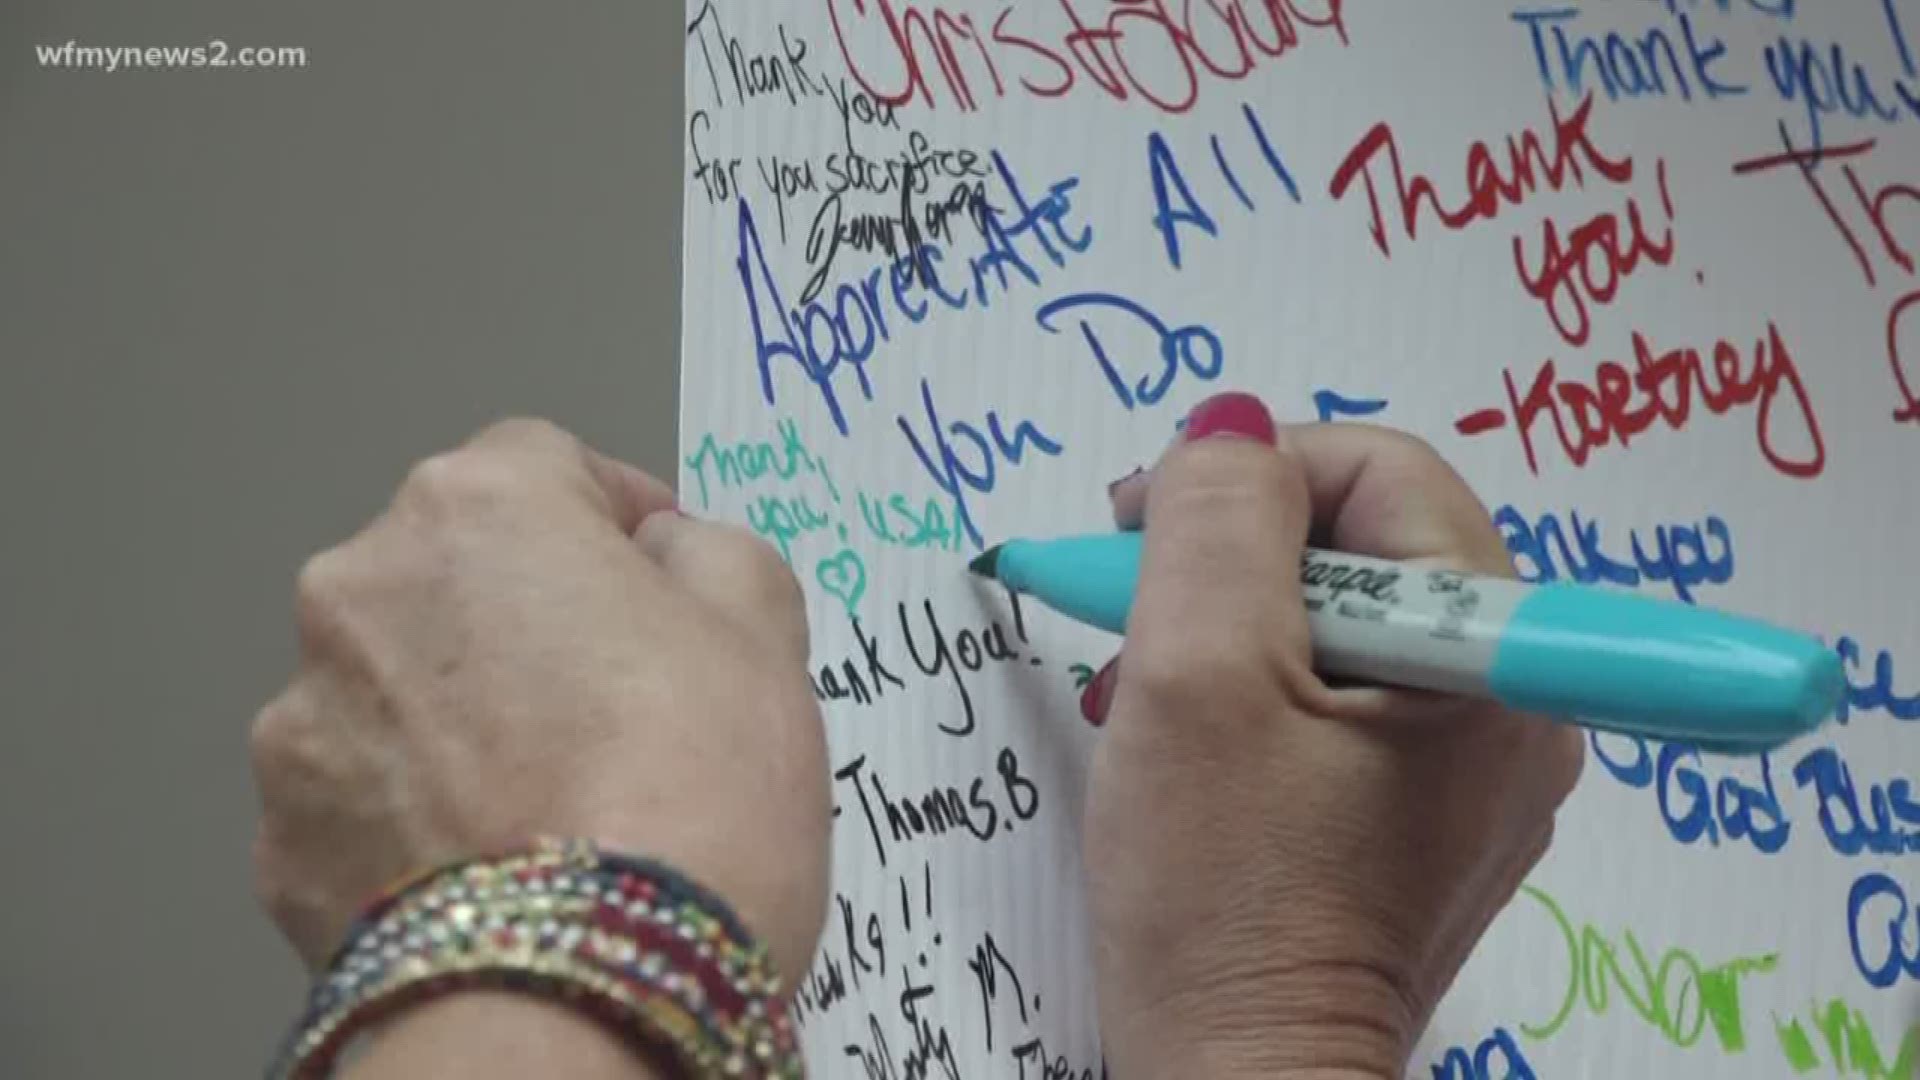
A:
[782,519]
[1852,1049]
[742,464]
[895,521]
[792,498]
[1676,995]
[843,576]
[904,522]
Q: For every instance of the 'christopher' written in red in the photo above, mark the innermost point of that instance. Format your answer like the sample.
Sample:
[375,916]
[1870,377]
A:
[1160,51]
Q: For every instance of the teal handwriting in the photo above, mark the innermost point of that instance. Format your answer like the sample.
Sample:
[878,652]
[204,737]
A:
[742,464]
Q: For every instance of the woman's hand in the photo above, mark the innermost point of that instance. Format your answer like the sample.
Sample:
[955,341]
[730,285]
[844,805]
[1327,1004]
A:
[1286,876]
[531,642]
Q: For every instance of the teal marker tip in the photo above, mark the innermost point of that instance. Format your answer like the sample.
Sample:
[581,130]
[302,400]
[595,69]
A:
[985,564]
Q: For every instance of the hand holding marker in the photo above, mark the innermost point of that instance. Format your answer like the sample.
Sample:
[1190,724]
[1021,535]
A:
[1603,659]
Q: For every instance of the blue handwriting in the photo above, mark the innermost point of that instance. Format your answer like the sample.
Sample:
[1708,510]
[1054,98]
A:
[1825,82]
[1330,406]
[1700,807]
[1902,926]
[1678,56]
[1457,1064]
[1196,348]
[1170,182]
[846,329]
[944,455]
[1682,556]
[1878,695]
[1778,9]
[1645,65]
[1694,805]
[1887,824]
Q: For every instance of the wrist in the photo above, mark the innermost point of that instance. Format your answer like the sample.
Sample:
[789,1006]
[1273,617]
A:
[1276,1053]
[1339,1023]
[487,1033]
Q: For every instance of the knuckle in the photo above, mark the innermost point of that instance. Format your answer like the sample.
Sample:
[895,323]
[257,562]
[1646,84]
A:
[440,475]
[301,745]
[1402,454]
[265,744]
[1213,464]
[1566,762]
[1419,485]
[1218,481]
[1410,463]
[522,431]
[458,479]
[1406,447]
[276,749]
[1415,464]
[320,589]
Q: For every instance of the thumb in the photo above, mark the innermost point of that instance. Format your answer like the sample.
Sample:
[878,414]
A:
[1227,518]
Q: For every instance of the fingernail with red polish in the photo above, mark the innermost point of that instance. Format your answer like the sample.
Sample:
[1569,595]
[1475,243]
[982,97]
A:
[1098,695]
[1231,415]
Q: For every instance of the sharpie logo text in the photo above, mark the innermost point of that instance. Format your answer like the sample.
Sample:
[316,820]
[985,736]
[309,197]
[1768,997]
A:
[1337,579]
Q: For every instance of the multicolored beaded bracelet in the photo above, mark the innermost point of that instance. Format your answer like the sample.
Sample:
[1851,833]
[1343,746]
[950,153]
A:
[626,940]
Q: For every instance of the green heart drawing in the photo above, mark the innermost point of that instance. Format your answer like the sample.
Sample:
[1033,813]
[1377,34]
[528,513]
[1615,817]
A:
[844,577]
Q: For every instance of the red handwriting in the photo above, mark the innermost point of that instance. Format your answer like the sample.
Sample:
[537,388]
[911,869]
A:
[1874,203]
[1528,163]
[1622,404]
[1570,276]
[934,54]
[1909,412]
[1582,268]
[1807,162]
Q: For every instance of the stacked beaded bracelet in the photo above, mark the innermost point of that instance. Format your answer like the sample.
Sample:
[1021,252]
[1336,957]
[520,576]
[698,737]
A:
[628,941]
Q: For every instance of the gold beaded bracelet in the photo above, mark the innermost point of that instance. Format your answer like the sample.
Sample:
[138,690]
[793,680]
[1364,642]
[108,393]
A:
[624,940]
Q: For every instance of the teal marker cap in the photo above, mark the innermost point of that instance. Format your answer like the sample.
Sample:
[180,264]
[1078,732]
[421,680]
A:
[1666,669]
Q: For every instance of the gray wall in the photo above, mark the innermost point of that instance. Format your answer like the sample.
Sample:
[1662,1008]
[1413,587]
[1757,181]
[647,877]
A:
[233,306]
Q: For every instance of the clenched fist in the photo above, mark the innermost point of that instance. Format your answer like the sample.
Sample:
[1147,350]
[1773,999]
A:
[531,641]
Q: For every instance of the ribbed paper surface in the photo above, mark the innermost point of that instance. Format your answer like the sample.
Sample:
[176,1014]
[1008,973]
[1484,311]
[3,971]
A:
[951,268]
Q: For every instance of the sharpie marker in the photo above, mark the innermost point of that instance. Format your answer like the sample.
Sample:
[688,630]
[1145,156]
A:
[1604,659]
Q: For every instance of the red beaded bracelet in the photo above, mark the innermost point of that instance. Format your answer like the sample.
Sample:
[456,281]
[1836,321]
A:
[624,940]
